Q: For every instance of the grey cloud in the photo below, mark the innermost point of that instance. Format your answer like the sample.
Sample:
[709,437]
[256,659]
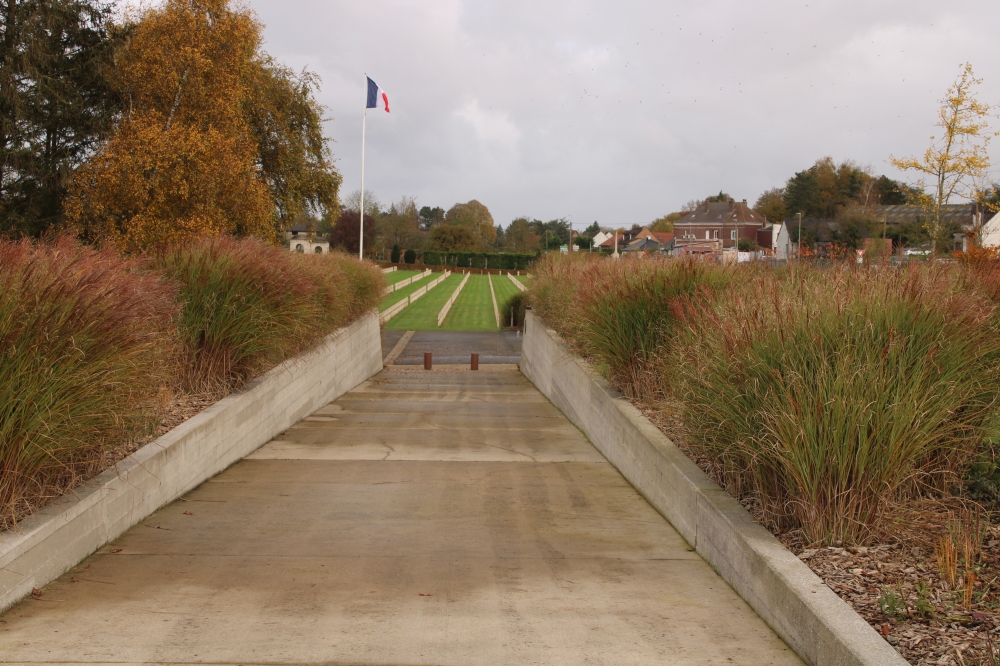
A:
[621,112]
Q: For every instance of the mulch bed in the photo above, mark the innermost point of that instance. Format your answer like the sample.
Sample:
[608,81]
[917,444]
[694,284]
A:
[896,584]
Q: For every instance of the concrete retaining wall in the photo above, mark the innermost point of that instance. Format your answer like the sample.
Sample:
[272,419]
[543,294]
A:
[47,544]
[816,623]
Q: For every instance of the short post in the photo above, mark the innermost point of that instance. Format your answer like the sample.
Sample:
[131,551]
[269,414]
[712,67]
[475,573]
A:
[475,362]
[427,361]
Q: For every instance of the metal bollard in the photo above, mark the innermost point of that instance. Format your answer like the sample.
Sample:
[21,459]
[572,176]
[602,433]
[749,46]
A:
[427,361]
[475,361]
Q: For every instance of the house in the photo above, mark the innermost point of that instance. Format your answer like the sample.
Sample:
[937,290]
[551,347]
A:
[600,237]
[654,241]
[720,224]
[314,246]
[989,233]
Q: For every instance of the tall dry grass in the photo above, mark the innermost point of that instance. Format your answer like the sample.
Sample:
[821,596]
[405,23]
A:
[86,345]
[248,306]
[620,313]
[828,394]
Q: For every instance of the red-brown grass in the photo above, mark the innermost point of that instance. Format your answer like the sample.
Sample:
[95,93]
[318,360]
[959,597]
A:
[86,344]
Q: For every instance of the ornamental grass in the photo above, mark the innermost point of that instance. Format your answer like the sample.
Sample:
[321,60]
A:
[827,395]
[247,305]
[94,346]
[87,341]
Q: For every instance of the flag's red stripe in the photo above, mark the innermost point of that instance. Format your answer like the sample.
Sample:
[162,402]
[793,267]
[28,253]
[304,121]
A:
[386,98]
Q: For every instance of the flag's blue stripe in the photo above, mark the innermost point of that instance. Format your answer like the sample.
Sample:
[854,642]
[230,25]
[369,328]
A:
[372,95]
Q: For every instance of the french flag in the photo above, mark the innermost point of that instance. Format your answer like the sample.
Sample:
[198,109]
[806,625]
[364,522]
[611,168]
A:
[374,94]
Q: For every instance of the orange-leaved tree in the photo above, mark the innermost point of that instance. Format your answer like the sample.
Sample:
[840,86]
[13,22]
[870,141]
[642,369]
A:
[957,161]
[183,161]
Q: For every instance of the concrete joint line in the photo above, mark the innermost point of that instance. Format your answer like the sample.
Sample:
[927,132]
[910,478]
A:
[398,349]
[817,624]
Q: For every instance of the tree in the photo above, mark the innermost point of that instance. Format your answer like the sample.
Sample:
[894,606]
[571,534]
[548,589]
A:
[394,255]
[553,233]
[454,238]
[56,103]
[346,232]
[431,217]
[825,189]
[665,223]
[592,230]
[400,225]
[771,204]
[183,160]
[476,217]
[519,238]
[293,156]
[373,207]
[957,162]
[721,197]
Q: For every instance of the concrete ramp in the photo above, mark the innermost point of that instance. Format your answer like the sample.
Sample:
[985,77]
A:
[443,517]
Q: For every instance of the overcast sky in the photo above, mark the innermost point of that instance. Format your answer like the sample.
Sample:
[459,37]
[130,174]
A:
[621,112]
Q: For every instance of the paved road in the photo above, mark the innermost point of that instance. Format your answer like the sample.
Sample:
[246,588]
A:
[444,517]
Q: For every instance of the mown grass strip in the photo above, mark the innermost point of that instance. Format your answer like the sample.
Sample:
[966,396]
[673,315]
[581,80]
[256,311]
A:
[473,311]
[399,276]
[404,292]
[505,290]
[422,315]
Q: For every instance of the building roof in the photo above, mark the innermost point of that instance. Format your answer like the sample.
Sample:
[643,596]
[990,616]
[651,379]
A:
[964,214]
[721,212]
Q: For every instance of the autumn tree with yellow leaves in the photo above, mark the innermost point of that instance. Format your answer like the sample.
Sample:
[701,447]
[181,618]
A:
[956,162]
[211,140]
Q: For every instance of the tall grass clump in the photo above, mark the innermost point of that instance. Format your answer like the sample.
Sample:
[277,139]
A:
[248,306]
[86,347]
[620,312]
[830,394]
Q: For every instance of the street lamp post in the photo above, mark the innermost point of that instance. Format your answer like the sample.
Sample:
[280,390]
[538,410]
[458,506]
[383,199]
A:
[798,246]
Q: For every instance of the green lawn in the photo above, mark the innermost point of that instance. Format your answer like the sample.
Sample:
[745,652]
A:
[396,276]
[422,315]
[504,289]
[473,311]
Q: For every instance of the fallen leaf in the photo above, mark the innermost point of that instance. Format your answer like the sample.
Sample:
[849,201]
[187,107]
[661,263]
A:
[73,580]
[116,550]
[35,592]
[188,513]
[885,630]
[423,594]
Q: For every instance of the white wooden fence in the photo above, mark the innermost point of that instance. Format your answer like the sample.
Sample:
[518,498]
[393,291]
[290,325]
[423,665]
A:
[408,281]
[451,300]
[496,310]
[389,270]
[516,282]
[396,308]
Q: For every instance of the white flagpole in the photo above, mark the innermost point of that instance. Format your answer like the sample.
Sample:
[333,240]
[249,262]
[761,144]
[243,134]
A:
[361,238]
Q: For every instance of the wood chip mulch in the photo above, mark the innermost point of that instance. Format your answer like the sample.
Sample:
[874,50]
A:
[896,584]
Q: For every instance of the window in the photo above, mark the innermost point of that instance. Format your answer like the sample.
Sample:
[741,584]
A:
[706,234]
[715,234]
[298,247]
[732,235]
[318,250]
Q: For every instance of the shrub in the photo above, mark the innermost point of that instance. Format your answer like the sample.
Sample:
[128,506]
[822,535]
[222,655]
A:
[410,256]
[517,304]
[88,341]
[832,393]
[249,306]
[619,313]
[394,255]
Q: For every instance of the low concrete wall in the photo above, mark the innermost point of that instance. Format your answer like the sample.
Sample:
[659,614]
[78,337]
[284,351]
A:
[47,544]
[816,623]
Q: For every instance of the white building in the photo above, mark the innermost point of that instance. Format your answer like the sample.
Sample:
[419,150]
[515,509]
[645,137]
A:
[601,237]
[305,245]
[783,247]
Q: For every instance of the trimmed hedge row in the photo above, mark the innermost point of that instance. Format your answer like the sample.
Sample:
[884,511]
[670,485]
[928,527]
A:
[506,260]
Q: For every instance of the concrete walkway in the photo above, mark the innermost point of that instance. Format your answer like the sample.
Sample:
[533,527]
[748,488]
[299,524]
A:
[444,517]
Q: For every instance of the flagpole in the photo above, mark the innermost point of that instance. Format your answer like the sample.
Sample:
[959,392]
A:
[361,238]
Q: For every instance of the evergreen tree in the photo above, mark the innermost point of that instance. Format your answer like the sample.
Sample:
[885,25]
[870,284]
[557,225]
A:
[56,103]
